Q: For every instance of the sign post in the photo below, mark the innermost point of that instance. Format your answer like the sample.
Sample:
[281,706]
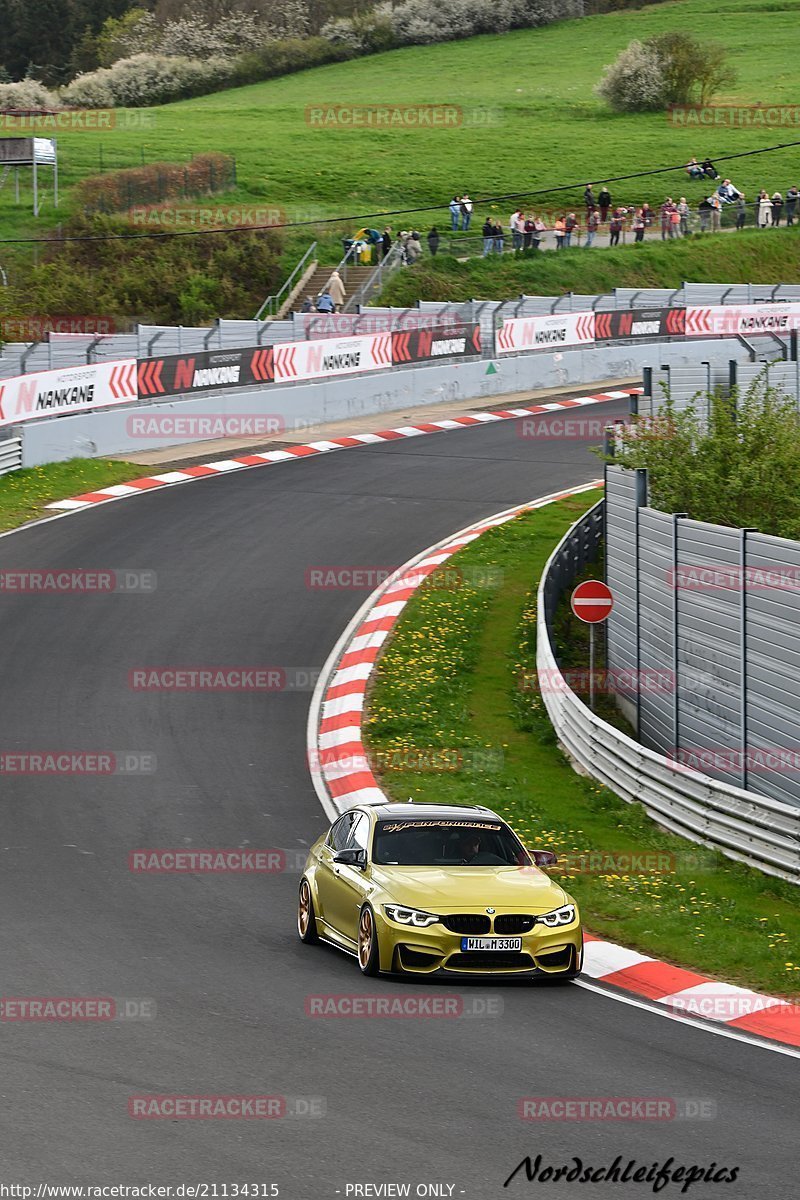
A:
[591,602]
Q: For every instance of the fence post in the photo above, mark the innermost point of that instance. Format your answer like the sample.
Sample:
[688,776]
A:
[640,500]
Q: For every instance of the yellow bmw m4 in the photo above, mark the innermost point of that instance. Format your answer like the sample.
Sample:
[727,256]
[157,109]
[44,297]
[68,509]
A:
[424,889]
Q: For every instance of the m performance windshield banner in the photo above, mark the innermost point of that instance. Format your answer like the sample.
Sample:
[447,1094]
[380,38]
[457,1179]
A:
[70,390]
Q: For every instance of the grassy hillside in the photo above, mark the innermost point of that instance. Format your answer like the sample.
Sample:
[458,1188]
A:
[530,115]
[750,257]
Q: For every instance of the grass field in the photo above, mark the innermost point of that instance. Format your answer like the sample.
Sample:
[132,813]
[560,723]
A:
[755,256]
[531,121]
[448,683]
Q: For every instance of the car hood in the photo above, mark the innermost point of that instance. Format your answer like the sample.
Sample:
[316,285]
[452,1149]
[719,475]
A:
[462,889]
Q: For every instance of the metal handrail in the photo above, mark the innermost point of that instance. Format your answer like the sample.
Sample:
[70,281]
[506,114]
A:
[273,303]
[374,281]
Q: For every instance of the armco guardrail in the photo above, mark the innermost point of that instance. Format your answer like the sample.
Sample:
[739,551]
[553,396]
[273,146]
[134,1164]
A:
[10,455]
[752,829]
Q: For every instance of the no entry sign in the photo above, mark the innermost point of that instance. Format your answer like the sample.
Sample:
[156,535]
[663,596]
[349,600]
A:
[592,601]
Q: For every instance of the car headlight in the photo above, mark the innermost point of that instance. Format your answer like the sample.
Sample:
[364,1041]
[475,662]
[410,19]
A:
[559,916]
[409,916]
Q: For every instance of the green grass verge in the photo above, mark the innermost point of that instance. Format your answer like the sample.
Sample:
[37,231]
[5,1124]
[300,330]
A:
[749,257]
[25,494]
[448,682]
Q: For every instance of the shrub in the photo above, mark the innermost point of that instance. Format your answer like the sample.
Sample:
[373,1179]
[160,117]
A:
[634,82]
[670,68]
[146,79]
[119,190]
[28,93]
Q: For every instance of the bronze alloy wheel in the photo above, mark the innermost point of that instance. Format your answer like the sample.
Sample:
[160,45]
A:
[306,920]
[367,942]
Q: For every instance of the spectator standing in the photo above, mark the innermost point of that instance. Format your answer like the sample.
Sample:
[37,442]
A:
[570,225]
[792,196]
[455,212]
[741,211]
[683,216]
[528,230]
[604,200]
[413,247]
[560,231]
[386,241]
[589,200]
[704,212]
[499,238]
[335,289]
[433,240]
[716,212]
[592,222]
[488,237]
[517,227]
[638,226]
[777,208]
[764,210]
[667,209]
[615,227]
[466,211]
[647,213]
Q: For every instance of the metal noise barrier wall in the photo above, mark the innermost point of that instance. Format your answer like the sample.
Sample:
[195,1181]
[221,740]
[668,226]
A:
[758,830]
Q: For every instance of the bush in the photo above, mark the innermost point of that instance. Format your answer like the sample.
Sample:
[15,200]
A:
[146,79]
[670,68]
[29,93]
[119,190]
[422,22]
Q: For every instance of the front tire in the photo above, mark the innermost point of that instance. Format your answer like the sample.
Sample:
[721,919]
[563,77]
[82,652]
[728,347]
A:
[368,950]
[306,917]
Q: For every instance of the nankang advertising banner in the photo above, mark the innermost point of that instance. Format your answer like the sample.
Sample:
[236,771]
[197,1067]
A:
[180,374]
[749,320]
[332,356]
[69,390]
[443,341]
[639,323]
[551,332]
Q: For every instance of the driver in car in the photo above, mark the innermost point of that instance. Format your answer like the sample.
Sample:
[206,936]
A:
[469,846]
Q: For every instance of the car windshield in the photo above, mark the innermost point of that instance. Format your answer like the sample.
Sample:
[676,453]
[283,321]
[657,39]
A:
[447,843]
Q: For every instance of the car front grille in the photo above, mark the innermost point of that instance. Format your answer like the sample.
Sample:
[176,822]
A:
[490,961]
[514,923]
[472,923]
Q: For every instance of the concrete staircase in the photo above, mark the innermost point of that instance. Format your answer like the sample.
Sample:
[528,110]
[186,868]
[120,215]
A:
[352,280]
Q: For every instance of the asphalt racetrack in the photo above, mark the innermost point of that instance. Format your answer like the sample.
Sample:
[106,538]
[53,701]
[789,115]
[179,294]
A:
[215,956]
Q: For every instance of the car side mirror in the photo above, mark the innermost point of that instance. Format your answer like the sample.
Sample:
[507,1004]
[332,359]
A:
[351,858]
[544,858]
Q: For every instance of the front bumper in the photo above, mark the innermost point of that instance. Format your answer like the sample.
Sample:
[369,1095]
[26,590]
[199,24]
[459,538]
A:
[437,951]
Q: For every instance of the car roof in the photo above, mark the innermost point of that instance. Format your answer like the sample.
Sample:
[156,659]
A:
[410,809]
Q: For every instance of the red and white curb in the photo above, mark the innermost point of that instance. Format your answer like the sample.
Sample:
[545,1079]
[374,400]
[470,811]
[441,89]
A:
[121,491]
[342,776]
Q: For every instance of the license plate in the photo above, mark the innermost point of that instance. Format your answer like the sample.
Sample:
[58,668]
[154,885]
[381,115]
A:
[491,943]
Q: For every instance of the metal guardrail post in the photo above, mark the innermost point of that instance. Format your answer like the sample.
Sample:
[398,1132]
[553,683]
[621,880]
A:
[215,328]
[90,349]
[23,358]
[153,341]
